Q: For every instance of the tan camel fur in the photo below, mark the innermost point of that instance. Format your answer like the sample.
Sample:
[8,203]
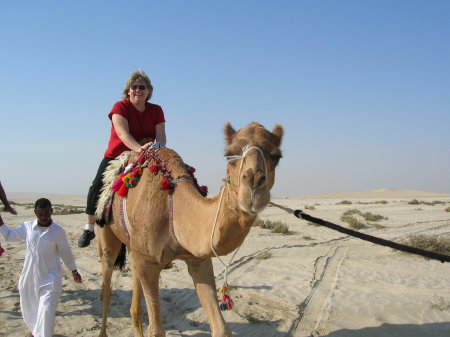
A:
[152,244]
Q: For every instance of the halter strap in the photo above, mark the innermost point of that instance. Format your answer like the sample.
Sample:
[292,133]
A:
[245,151]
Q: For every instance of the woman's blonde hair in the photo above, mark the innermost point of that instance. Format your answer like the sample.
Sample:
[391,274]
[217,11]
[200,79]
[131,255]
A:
[138,75]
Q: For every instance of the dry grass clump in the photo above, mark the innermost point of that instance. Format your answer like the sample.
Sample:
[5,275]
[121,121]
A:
[432,243]
[274,226]
[264,255]
[311,208]
[63,209]
[58,209]
[351,217]
[447,209]
[251,318]
[383,202]
[440,303]
[344,202]
[429,203]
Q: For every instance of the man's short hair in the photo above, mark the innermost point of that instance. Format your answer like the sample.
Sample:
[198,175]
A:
[42,203]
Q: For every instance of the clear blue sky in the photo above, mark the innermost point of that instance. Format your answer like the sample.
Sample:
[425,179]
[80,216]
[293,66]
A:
[362,88]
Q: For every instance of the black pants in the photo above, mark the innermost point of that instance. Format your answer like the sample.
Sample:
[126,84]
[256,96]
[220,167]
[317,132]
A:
[94,190]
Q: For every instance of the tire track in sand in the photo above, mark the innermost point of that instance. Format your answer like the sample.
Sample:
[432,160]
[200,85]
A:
[314,311]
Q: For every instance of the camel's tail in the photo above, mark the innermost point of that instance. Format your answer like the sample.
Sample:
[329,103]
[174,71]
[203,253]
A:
[120,261]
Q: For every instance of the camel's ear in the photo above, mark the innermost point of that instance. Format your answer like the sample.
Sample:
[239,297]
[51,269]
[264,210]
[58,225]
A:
[229,132]
[278,133]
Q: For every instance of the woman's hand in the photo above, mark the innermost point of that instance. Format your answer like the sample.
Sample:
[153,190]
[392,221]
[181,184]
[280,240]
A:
[145,146]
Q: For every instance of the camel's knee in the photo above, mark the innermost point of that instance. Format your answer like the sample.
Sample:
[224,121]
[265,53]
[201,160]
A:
[106,293]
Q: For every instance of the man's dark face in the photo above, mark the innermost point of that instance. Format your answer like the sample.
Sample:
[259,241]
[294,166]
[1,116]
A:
[44,215]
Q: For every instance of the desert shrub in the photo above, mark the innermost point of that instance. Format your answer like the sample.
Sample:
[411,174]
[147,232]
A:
[432,243]
[311,208]
[429,203]
[384,202]
[280,227]
[414,202]
[440,303]
[264,255]
[349,217]
[447,209]
[63,210]
[274,226]
[353,222]
[373,217]
[344,202]
[251,318]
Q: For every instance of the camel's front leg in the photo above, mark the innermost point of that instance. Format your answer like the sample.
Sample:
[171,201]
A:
[202,274]
[148,271]
[136,310]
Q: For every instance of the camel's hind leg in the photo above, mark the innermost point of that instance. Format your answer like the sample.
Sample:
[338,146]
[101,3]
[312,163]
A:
[108,249]
[136,309]
[202,274]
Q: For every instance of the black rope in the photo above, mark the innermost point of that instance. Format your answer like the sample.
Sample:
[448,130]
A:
[431,255]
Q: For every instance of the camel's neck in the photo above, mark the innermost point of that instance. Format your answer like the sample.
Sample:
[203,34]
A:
[197,219]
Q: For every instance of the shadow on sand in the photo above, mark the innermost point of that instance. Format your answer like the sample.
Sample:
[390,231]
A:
[176,303]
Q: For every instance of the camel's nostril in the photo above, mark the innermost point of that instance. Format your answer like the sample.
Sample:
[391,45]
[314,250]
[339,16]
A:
[261,181]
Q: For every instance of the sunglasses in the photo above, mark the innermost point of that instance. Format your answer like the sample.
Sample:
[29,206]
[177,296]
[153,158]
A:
[136,87]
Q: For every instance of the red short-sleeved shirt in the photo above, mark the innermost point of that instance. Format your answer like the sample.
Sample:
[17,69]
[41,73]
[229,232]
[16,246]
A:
[141,124]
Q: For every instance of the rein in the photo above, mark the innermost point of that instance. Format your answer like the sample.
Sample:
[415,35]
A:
[425,253]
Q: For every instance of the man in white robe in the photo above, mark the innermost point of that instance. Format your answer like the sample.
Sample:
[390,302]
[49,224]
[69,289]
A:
[40,284]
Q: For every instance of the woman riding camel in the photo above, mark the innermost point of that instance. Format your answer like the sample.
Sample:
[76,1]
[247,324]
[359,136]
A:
[133,121]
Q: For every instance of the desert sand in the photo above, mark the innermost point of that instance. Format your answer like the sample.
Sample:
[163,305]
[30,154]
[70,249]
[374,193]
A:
[310,282]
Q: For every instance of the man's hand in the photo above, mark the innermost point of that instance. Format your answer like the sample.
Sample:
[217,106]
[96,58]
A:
[76,277]
[8,208]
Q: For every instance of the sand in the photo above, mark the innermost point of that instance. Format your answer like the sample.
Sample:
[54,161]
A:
[311,282]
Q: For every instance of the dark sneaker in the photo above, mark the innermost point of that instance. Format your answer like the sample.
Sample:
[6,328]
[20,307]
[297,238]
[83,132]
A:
[86,238]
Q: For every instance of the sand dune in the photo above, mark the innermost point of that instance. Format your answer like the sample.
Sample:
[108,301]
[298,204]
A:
[312,282]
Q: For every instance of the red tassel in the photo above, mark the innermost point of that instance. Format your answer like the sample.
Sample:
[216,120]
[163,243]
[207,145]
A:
[118,183]
[123,190]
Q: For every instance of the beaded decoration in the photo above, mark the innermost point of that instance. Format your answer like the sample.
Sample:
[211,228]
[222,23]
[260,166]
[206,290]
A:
[130,178]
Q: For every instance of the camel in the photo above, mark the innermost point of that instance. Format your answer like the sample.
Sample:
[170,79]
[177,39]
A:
[190,227]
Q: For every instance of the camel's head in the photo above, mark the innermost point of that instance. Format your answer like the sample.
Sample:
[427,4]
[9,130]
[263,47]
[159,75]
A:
[253,153]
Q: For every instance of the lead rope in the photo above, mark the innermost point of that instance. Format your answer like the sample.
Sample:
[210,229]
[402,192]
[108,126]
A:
[225,301]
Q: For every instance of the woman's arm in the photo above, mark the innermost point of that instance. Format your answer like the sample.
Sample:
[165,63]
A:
[123,131]
[161,133]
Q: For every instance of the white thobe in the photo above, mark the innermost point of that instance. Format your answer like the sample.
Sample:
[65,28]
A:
[40,284]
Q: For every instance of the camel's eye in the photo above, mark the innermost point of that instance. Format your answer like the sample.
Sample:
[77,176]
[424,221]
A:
[275,158]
